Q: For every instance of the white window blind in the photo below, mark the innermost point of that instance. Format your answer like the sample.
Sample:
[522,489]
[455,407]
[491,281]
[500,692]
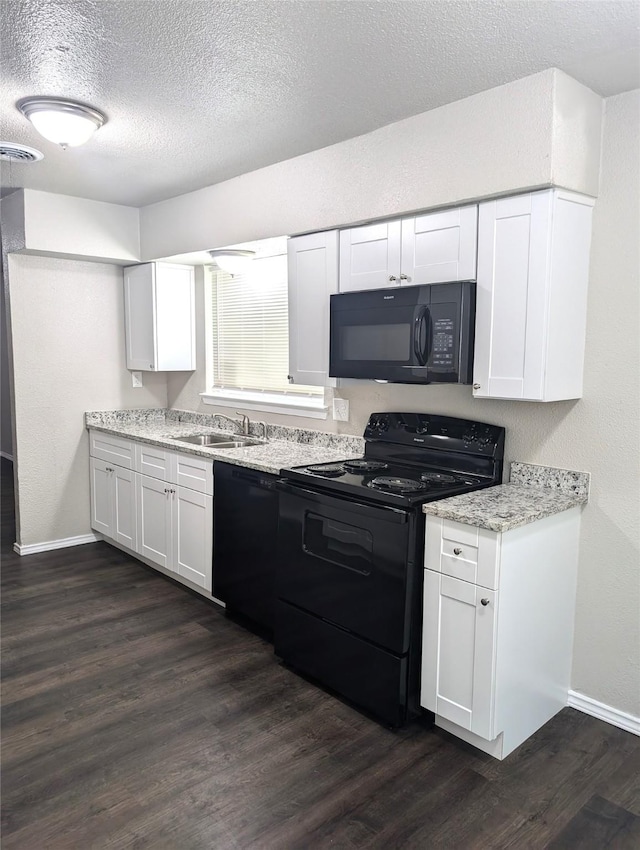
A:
[250,330]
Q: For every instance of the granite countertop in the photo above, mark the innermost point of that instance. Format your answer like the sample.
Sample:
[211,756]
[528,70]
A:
[284,446]
[533,492]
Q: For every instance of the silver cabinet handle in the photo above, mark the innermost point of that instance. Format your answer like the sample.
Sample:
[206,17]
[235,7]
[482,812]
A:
[404,277]
[457,551]
[290,378]
[484,602]
[477,387]
[392,277]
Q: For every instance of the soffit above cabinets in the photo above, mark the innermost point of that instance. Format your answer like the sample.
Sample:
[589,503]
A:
[196,93]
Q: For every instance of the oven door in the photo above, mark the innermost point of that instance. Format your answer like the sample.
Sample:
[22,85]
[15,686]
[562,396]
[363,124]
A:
[349,563]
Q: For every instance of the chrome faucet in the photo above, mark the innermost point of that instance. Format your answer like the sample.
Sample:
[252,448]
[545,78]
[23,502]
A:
[243,424]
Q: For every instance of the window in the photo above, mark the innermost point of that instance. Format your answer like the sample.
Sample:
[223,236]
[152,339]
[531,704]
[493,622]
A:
[248,340]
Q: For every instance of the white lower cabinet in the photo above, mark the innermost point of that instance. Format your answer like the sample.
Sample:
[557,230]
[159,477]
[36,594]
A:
[154,520]
[497,633]
[176,526]
[113,505]
[149,511]
[192,530]
[458,679]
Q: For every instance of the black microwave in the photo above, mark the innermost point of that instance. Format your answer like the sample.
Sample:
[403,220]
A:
[408,334]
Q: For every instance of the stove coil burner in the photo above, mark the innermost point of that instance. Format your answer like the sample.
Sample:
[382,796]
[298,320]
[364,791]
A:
[364,465]
[396,485]
[437,478]
[327,470]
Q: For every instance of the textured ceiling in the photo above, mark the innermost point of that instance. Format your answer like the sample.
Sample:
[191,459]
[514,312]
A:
[198,91]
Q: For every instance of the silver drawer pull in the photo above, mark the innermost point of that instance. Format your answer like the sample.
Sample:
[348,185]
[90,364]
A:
[484,602]
[457,551]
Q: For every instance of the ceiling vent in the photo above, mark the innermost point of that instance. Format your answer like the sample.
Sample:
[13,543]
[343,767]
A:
[11,152]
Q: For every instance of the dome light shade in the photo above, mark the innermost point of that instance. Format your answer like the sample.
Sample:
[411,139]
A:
[232,260]
[65,122]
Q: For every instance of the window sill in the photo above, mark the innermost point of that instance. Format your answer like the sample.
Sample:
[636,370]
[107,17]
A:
[289,405]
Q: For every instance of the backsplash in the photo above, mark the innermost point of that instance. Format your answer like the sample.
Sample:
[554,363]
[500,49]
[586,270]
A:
[346,442]
[564,481]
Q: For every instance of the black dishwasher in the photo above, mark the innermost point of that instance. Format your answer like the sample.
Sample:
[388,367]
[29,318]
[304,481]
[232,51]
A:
[245,527]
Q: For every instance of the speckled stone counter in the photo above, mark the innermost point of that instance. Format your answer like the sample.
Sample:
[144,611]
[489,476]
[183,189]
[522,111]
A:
[534,492]
[284,446]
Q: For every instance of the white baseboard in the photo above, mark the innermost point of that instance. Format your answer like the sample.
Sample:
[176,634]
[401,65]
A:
[48,545]
[588,705]
[7,456]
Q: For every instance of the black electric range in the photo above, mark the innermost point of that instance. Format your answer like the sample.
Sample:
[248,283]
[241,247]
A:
[411,458]
[350,544]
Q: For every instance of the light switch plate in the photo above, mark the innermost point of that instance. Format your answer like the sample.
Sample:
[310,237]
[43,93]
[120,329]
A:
[341,409]
[136,379]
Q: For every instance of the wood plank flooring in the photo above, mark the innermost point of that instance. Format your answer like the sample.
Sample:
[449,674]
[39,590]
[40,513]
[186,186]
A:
[135,715]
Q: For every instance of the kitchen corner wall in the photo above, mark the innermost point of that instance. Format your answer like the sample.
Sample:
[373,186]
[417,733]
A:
[68,357]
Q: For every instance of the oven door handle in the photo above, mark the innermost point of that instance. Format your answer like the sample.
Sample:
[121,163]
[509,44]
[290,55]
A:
[391,514]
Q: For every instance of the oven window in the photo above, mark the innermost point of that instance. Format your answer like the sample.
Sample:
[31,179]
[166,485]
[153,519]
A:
[375,342]
[345,545]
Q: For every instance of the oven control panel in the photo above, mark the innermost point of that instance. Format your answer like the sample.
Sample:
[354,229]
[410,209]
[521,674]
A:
[437,432]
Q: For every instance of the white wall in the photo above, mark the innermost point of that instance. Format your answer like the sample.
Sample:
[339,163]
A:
[531,133]
[68,357]
[77,227]
[6,442]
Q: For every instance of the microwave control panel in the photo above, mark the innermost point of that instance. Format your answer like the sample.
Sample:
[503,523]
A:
[443,348]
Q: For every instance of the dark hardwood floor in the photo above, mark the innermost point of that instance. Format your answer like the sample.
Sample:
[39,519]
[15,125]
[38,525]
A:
[135,715]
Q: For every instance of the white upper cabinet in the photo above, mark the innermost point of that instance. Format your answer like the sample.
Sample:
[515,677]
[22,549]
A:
[370,256]
[431,248]
[533,267]
[313,277]
[439,247]
[159,309]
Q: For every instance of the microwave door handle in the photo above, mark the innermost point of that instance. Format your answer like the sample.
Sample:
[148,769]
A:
[422,353]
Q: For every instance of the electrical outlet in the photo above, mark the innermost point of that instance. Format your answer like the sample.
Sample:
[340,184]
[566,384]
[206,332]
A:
[136,379]
[341,409]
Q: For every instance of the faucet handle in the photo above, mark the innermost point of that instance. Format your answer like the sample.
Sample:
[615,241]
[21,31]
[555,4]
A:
[245,422]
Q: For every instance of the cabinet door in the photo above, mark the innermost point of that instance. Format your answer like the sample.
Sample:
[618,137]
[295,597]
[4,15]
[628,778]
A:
[511,297]
[154,520]
[533,270]
[439,247]
[101,496]
[139,313]
[313,277]
[458,652]
[370,256]
[192,535]
[175,317]
[124,507]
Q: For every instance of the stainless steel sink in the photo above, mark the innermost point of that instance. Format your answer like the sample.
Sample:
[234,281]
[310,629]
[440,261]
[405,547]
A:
[220,441]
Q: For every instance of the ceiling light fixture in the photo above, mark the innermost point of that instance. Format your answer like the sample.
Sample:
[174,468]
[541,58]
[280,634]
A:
[232,260]
[65,122]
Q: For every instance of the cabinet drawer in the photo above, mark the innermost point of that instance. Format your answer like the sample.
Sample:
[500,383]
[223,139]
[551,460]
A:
[193,472]
[112,449]
[153,461]
[462,551]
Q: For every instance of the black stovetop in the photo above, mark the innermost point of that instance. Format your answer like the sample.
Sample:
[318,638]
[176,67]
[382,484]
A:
[413,458]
